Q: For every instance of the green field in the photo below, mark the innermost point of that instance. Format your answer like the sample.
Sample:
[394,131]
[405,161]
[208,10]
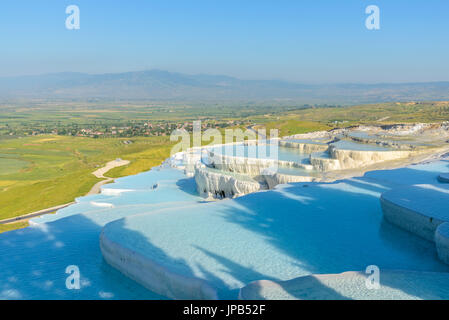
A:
[325,118]
[291,127]
[13,226]
[384,113]
[24,118]
[44,171]
[11,165]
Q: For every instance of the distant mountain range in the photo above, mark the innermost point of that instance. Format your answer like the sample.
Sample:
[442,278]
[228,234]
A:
[163,85]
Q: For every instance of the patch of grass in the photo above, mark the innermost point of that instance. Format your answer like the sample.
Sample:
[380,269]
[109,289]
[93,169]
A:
[291,127]
[142,161]
[59,168]
[32,196]
[10,165]
[13,226]
[318,118]
[381,113]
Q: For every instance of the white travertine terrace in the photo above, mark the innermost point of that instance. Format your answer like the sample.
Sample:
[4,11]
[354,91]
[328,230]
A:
[442,241]
[208,255]
[367,148]
[394,285]
[419,209]
[155,278]
[422,210]
[349,159]
[304,147]
[251,166]
[211,182]
[444,177]
[279,178]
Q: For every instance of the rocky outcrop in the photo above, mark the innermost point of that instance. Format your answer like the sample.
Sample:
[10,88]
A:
[304,147]
[251,166]
[221,184]
[329,151]
[349,159]
[322,162]
[322,135]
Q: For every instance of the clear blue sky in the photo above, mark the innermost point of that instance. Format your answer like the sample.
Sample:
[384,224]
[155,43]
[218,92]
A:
[306,41]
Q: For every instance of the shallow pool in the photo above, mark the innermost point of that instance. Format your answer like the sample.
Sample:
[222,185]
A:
[351,145]
[294,230]
[319,141]
[265,151]
[33,260]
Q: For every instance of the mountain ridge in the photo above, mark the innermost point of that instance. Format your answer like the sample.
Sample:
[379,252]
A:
[164,85]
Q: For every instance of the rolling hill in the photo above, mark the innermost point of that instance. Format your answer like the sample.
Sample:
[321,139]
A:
[164,85]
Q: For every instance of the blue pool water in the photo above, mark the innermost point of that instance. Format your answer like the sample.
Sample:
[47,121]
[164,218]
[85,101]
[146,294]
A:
[268,151]
[319,141]
[294,230]
[33,260]
[397,140]
[351,145]
[296,171]
[361,135]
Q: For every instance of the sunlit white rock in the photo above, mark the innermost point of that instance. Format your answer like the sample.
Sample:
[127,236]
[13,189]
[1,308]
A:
[394,285]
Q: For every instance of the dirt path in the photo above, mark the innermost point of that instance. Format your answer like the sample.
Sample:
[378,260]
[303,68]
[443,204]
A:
[102,171]
[110,165]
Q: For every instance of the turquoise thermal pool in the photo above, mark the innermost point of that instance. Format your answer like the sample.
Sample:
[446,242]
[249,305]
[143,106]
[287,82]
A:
[264,151]
[351,145]
[33,260]
[294,230]
[153,236]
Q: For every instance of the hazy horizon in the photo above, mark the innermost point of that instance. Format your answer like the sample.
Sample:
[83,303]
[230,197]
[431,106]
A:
[304,42]
[164,85]
[174,72]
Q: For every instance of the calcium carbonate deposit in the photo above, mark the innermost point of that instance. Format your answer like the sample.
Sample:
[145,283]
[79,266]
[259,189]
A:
[163,233]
